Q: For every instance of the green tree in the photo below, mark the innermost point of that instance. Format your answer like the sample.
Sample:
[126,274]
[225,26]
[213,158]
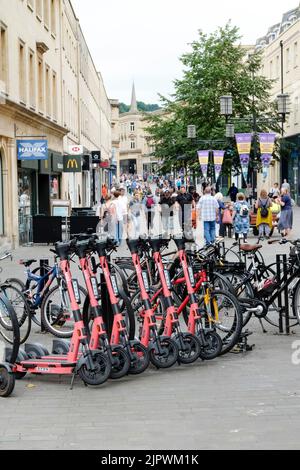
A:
[143,107]
[216,65]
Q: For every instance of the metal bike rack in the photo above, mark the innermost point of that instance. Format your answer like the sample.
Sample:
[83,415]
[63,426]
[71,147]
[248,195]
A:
[283,297]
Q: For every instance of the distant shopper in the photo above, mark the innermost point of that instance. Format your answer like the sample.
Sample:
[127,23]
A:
[149,204]
[274,191]
[264,214]
[241,217]
[219,226]
[208,211]
[285,185]
[285,223]
[232,193]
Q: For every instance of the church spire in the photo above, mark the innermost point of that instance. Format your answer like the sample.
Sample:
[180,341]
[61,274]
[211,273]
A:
[133,106]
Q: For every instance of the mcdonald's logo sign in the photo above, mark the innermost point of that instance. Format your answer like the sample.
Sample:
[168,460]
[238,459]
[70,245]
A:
[72,164]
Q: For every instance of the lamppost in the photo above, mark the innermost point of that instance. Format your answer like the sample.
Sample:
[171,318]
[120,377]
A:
[226,109]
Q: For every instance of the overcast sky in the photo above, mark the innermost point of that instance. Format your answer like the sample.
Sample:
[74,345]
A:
[142,40]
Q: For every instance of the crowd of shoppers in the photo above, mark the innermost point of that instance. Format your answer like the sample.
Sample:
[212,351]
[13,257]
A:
[132,208]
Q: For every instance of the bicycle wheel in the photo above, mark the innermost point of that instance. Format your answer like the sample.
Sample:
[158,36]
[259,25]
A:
[296,301]
[56,312]
[19,304]
[225,315]
[242,289]
[16,283]
[9,331]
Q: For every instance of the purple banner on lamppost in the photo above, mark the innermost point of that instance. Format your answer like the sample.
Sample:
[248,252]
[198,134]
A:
[267,141]
[218,161]
[243,142]
[203,156]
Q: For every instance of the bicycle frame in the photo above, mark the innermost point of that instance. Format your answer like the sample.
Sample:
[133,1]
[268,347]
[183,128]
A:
[43,285]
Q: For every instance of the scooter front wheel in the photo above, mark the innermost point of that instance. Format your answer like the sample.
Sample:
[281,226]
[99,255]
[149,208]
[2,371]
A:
[7,381]
[120,362]
[100,372]
[213,346]
[167,356]
[189,348]
[141,359]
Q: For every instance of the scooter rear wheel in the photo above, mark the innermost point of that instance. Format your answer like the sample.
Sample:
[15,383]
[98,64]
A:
[7,381]
[169,355]
[101,372]
[213,348]
[121,362]
[141,361]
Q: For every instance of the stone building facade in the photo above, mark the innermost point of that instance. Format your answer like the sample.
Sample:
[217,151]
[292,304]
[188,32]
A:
[50,88]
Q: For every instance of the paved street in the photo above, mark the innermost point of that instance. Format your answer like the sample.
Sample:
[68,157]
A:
[249,400]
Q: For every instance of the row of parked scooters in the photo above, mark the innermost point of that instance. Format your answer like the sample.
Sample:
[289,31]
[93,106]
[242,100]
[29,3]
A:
[97,354]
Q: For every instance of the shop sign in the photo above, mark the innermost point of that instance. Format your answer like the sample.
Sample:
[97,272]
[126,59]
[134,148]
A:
[75,150]
[104,164]
[96,156]
[32,149]
[72,164]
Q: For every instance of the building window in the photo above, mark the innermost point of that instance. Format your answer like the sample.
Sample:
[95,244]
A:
[54,95]
[39,9]
[295,54]
[22,77]
[53,16]
[48,92]
[296,110]
[287,60]
[132,144]
[46,13]
[132,127]
[3,59]
[41,85]
[32,79]
[277,66]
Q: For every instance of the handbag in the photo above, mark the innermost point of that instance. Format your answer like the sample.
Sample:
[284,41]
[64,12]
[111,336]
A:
[227,217]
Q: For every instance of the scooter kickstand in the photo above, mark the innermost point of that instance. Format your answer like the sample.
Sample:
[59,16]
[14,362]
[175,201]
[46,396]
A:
[262,325]
[72,381]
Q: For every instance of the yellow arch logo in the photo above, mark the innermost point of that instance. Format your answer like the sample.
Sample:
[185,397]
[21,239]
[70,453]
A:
[72,164]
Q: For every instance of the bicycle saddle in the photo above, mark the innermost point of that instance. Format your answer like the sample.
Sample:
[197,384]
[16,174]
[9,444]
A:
[250,248]
[27,262]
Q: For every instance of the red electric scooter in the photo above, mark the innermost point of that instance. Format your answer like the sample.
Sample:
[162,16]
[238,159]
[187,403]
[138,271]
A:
[163,350]
[210,341]
[92,366]
[188,343]
[136,351]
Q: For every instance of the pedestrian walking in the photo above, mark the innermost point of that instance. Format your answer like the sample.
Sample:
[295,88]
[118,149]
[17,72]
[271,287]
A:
[274,191]
[185,200]
[135,212]
[232,193]
[285,185]
[264,215]
[208,212]
[108,217]
[219,225]
[149,204]
[285,223]
[241,217]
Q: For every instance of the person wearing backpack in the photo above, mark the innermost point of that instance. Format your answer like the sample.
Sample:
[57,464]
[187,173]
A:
[264,215]
[241,217]
[149,204]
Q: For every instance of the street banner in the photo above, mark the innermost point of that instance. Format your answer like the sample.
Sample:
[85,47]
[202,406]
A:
[203,156]
[267,141]
[243,142]
[32,149]
[218,161]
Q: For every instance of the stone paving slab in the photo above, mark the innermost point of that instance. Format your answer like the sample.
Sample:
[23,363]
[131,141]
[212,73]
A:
[239,401]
